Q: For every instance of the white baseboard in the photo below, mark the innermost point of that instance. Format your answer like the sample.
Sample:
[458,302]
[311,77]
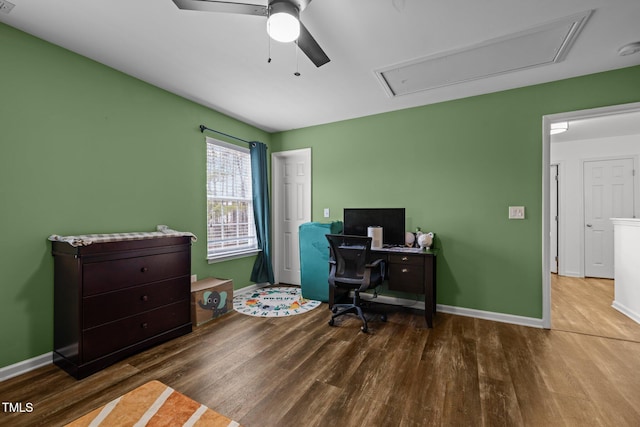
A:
[460,311]
[25,366]
[571,274]
[626,311]
[249,289]
[490,315]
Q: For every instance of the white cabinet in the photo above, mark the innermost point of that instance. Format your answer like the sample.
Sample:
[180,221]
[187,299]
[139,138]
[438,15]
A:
[626,233]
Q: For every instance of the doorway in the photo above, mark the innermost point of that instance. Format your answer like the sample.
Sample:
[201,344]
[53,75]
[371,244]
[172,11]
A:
[291,186]
[612,112]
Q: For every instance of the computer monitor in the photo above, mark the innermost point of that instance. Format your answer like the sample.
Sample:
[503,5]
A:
[392,221]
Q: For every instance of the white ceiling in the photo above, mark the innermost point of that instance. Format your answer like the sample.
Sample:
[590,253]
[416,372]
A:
[220,60]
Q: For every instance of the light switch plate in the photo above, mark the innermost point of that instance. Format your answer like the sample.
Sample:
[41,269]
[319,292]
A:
[326,212]
[516,212]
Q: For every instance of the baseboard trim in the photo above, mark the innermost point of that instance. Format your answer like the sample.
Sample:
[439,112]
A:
[626,311]
[576,274]
[249,289]
[25,366]
[460,311]
[491,315]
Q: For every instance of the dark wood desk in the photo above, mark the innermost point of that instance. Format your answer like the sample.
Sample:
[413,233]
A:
[408,271]
[412,272]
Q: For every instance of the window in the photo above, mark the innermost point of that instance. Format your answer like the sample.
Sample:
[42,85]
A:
[230,224]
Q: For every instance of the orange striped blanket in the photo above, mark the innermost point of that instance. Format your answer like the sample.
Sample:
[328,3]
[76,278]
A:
[154,404]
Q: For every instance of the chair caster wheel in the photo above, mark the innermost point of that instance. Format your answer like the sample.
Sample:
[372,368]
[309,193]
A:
[334,309]
[383,317]
[331,322]
[364,329]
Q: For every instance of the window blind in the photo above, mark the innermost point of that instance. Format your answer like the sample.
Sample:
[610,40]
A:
[230,222]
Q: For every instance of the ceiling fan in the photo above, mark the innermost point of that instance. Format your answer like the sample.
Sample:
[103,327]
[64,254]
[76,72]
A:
[283,21]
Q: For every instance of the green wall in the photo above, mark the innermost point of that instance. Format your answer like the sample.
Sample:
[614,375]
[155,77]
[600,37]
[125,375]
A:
[456,167]
[84,149]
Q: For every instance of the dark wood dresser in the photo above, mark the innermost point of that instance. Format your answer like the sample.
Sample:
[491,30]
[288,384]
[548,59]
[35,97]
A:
[114,299]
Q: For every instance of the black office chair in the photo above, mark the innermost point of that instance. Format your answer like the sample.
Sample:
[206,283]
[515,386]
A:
[350,271]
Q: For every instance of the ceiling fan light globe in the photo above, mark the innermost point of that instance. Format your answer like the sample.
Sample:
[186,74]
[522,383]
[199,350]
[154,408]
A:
[283,27]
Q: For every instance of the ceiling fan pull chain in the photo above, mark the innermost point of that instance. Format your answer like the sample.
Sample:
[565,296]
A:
[297,73]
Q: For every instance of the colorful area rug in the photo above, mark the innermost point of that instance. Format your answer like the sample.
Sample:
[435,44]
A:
[153,404]
[273,302]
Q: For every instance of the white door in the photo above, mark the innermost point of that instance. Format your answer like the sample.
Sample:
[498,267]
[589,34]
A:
[553,221]
[291,180]
[608,193]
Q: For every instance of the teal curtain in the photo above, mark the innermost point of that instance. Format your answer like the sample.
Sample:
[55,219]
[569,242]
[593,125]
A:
[262,270]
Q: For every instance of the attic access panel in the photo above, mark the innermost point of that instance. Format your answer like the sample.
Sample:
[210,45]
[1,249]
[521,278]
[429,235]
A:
[546,44]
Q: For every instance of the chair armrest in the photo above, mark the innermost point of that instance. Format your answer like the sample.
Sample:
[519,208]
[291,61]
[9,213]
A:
[366,282]
[374,263]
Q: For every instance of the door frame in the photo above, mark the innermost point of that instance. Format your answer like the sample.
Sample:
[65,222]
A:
[555,223]
[277,193]
[547,120]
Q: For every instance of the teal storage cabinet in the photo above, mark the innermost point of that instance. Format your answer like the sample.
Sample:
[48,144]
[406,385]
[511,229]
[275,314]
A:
[314,258]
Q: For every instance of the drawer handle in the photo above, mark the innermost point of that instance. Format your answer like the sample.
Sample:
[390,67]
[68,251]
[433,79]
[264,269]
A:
[144,325]
[404,258]
[405,270]
[144,298]
[144,269]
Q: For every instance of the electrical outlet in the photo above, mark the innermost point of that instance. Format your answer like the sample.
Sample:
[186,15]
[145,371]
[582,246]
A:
[194,278]
[6,6]
[516,212]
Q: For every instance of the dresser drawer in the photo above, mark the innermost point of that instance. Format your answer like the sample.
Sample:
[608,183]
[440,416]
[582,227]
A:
[116,274]
[110,306]
[110,337]
[406,278]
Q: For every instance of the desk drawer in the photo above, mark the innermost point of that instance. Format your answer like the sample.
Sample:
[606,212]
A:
[406,278]
[406,259]
[117,274]
[110,306]
[114,336]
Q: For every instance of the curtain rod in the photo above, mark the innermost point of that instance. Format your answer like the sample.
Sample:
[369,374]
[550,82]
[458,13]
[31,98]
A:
[203,128]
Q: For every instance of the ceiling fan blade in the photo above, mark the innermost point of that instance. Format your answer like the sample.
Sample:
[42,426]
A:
[311,48]
[221,6]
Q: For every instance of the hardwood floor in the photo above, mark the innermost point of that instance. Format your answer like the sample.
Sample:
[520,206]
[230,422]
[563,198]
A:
[298,371]
[583,305]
